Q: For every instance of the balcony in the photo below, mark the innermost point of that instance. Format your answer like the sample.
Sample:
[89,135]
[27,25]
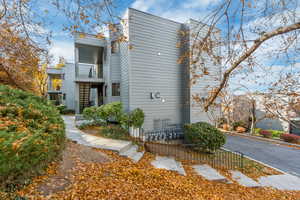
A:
[89,72]
[54,89]
[55,71]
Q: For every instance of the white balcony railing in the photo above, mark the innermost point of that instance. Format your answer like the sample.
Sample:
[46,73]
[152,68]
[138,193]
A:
[84,70]
[52,70]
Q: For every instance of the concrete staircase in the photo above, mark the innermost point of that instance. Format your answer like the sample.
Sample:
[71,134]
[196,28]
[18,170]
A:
[210,173]
[127,149]
[168,163]
[84,95]
[243,179]
[281,182]
[132,153]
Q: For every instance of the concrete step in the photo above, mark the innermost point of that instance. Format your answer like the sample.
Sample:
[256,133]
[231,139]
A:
[281,182]
[243,180]
[209,173]
[125,148]
[132,153]
[168,163]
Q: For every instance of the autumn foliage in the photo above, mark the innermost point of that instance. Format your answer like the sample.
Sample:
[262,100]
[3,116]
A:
[31,135]
[19,60]
[290,138]
[121,178]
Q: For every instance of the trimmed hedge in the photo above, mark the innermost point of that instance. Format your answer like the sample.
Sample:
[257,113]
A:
[276,133]
[266,133]
[257,130]
[290,138]
[32,134]
[204,136]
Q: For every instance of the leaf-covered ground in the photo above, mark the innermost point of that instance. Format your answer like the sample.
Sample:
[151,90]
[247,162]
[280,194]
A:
[86,173]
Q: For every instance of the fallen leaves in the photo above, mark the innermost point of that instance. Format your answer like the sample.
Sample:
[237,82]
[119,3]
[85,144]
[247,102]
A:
[122,179]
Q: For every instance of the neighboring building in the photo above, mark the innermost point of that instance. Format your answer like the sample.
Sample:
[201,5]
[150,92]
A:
[270,115]
[141,71]
[284,118]
[64,94]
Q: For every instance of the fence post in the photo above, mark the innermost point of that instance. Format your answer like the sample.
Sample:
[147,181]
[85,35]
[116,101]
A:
[242,161]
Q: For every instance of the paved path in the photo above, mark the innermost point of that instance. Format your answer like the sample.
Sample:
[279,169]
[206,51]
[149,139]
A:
[284,158]
[80,137]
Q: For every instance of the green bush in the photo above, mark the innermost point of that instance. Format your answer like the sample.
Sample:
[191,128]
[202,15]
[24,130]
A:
[114,110]
[32,134]
[64,110]
[93,113]
[137,118]
[114,132]
[257,131]
[110,111]
[61,108]
[276,133]
[204,136]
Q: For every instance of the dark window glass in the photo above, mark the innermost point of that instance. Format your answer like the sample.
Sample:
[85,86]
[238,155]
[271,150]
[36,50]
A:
[105,91]
[116,89]
[114,47]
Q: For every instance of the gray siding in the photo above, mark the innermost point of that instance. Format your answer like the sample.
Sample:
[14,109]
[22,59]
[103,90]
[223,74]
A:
[69,85]
[154,68]
[124,64]
[115,69]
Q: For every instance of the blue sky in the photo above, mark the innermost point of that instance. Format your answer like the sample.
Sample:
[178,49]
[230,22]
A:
[176,10]
[181,11]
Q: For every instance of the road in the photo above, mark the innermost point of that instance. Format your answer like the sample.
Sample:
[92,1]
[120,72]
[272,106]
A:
[282,157]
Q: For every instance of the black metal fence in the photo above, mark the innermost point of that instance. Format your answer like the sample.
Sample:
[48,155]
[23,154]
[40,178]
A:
[170,142]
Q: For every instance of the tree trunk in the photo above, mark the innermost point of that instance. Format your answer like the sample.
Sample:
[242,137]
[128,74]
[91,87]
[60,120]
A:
[253,117]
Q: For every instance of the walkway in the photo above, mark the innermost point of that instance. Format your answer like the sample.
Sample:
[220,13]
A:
[127,149]
[80,137]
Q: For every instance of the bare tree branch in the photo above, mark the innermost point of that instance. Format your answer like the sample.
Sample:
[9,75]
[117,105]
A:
[249,52]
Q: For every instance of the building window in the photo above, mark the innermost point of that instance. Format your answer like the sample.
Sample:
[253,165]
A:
[116,89]
[114,47]
[64,96]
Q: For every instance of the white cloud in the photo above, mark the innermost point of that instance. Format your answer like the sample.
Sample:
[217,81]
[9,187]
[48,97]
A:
[179,11]
[261,78]
[62,48]
[199,3]
[144,5]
